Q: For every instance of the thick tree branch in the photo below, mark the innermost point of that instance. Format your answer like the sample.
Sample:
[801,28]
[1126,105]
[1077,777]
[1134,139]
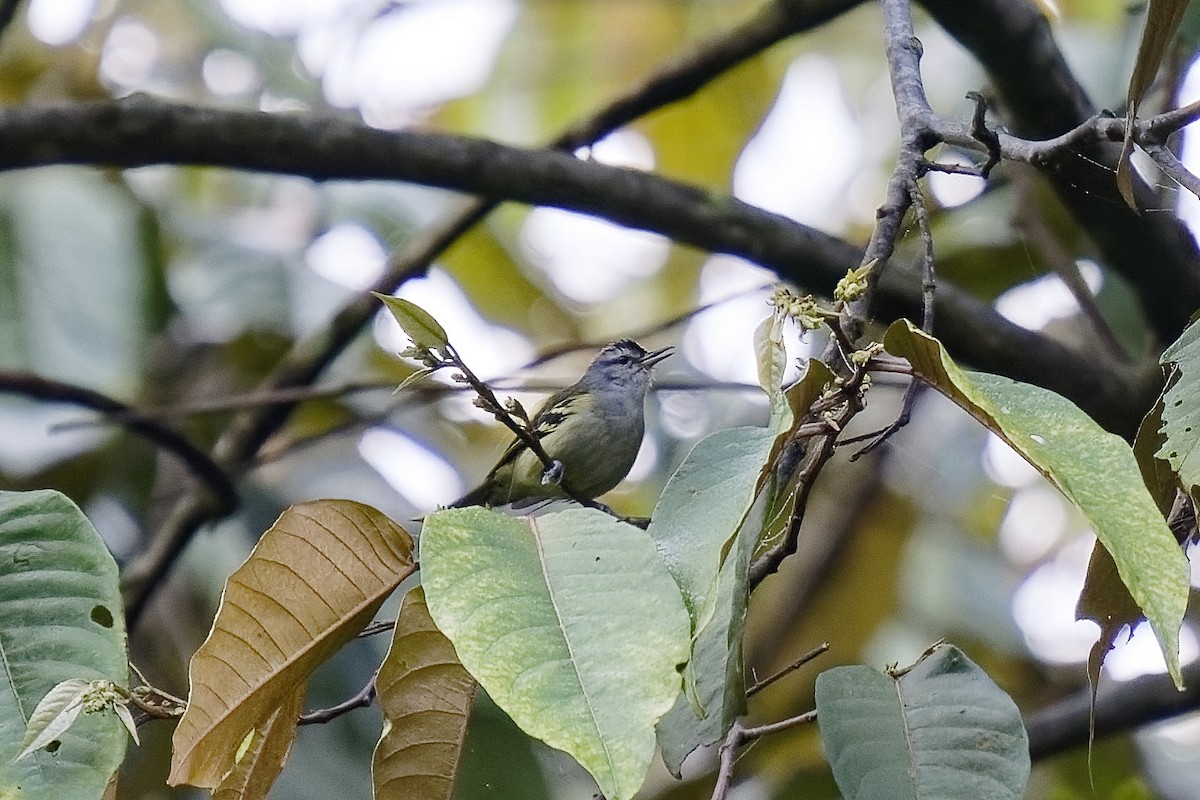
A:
[682,77]
[141,131]
[1042,99]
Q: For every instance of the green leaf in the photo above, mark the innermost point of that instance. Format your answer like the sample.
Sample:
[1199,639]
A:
[570,622]
[716,693]
[771,358]
[1094,469]
[413,378]
[702,508]
[940,729]
[62,619]
[417,323]
[1180,429]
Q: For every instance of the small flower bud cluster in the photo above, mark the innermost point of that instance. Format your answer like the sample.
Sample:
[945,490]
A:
[854,285]
[804,309]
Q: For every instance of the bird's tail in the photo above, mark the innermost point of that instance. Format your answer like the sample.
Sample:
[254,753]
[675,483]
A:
[476,497]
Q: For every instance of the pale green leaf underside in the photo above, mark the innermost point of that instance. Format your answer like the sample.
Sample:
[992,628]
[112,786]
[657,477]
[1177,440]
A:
[60,619]
[941,730]
[714,673]
[570,622]
[703,506]
[1094,469]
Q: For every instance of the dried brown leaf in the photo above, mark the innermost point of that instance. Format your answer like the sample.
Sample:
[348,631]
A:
[262,760]
[312,582]
[426,697]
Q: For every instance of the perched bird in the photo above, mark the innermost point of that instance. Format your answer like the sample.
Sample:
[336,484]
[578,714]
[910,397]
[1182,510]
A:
[593,428]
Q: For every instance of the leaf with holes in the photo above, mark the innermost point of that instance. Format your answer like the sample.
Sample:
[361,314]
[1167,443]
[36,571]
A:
[62,621]
[1093,468]
[571,623]
[310,585]
[1180,431]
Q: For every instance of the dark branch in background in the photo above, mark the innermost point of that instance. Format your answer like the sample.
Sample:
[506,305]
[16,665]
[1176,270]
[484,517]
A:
[199,462]
[142,131]
[1042,99]
[681,78]
[1046,243]
[8,12]
[1119,707]
[308,357]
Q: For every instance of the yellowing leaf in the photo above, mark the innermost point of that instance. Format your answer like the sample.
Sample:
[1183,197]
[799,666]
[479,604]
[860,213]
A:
[312,582]
[260,762]
[1094,469]
[426,697]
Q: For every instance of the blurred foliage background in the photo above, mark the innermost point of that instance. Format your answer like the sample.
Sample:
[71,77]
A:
[177,289]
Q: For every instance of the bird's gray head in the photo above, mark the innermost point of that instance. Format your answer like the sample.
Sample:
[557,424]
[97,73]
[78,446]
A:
[623,364]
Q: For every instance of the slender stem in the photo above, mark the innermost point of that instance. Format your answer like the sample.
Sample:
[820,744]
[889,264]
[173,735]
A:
[206,469]
[820,649]
[527,437]
[362,699]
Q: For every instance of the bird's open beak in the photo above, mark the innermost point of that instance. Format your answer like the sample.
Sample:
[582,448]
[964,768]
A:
[655,356]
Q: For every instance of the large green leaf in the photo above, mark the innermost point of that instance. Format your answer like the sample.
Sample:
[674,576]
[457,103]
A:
[940,729]
[1094,469]
[60,618]
[702,507]
[1180,412]
[570,622]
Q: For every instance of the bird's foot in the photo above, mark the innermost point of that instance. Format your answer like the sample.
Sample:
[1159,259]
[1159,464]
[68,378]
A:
[554,475]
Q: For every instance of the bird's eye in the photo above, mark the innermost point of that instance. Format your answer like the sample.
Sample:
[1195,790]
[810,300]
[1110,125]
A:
[623,360]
